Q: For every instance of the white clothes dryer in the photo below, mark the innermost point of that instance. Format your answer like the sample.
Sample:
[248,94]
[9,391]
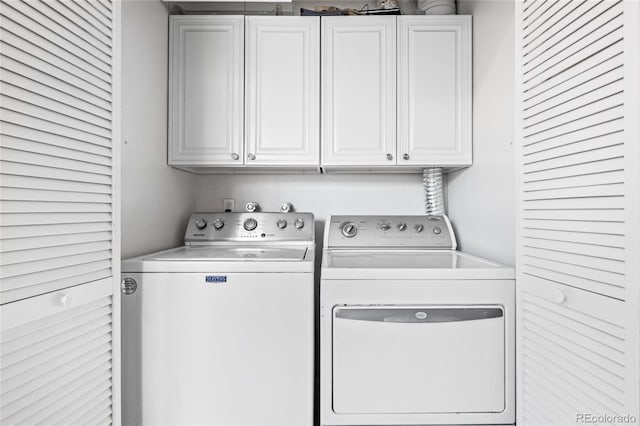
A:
[220,331]
[413,332]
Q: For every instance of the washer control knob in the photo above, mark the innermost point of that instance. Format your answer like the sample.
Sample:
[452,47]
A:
[419,227]
[218,224]
[250,224]
[349,229]
[402,226]
[281,224]
[201,223]
[298,223]
[437,230]
[252,206]
[385,226]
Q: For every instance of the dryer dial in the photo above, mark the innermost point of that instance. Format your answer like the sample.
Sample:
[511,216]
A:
[349,229]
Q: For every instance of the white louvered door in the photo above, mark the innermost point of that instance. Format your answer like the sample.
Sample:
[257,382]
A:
[577,260]
[59,204]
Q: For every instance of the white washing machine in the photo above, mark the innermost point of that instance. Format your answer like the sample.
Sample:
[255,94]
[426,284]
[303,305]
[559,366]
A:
[220,331]
[413,332]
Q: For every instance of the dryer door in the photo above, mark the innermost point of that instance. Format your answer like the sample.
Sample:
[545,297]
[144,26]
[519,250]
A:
[418,359]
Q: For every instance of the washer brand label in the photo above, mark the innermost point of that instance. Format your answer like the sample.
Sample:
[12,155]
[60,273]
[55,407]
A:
[216,278]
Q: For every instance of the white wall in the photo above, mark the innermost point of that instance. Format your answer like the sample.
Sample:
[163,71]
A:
[156,199]
[481,199]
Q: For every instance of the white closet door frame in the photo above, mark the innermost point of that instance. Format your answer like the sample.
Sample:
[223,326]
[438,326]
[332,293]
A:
[116,227]
[632,193]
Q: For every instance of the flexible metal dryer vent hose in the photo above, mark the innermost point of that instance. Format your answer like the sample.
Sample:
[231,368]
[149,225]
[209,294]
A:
[433,190]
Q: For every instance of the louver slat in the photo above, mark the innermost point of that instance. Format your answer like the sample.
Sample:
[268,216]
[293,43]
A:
[55,46]
[566,87]
[22,14]
[38,11]
[43,103]
[9,219]
[578,33]
[97,25]
[67,97]
[58,70]
[52,84]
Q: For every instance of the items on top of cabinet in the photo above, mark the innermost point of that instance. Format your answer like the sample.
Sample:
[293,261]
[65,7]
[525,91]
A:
[335,11]
[230,7]
[396,93]
[437,7]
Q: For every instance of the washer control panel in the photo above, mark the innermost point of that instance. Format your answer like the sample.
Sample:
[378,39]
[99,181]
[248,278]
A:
[430,232]
[253,226]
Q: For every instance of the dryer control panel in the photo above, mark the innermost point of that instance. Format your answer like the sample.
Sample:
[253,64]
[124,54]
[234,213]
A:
[411,232]
[207,228]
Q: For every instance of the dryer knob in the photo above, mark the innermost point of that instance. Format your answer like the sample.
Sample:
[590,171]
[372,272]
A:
[402,226]
[419,227]
[201,223]
[218,224]
[298,223]
[349,229]
[281,224]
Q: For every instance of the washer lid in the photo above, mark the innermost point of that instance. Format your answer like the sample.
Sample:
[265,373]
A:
[242,254]
[348,264]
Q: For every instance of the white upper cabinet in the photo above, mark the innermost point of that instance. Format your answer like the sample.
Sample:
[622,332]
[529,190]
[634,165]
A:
[358,90]
[434,90]
[282,63]
[303,92]
[206,90]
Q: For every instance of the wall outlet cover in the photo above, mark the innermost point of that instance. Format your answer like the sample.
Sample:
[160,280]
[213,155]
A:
[228,204]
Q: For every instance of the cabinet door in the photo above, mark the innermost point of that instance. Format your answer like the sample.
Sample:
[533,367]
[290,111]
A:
[206,93]
[434,99]
[358,90]
[282,90]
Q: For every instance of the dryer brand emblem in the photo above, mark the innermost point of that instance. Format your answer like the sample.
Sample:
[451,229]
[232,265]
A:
[216,278]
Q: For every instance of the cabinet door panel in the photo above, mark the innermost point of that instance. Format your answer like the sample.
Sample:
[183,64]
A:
[434,124]
[358,90]
[206,93]
[282,90]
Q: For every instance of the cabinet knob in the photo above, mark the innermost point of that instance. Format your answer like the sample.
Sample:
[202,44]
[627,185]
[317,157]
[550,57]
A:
[405,156]
[234,156]
[389,157]
[251,156]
